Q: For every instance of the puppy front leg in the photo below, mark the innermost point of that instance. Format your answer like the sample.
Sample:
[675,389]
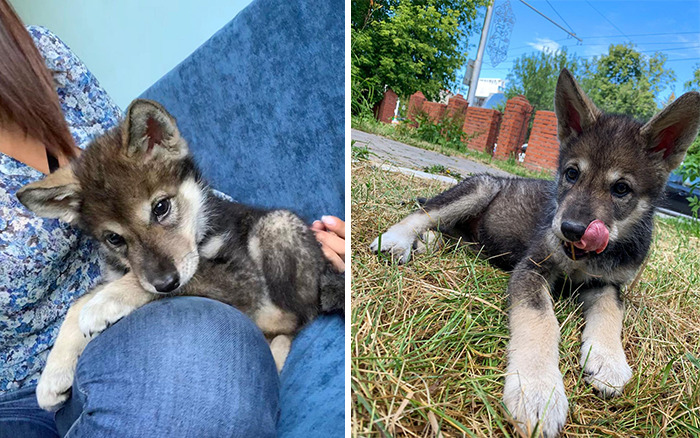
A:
[57,378]
[465,200]
[602,356]
[111,303]
[534,387]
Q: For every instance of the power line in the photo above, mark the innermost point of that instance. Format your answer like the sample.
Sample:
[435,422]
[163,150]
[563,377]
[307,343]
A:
[606,19]
[682,59]
[559,15]
[642,34]
[552,21]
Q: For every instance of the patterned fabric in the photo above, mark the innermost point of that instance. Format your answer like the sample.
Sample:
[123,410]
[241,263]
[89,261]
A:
[44,264]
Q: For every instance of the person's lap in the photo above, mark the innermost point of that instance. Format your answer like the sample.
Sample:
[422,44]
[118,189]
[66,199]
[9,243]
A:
[192,363]
[176,367]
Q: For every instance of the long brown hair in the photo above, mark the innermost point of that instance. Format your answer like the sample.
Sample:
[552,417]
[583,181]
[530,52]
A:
[27,94]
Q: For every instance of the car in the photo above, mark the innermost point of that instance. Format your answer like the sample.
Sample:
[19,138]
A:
[677,193]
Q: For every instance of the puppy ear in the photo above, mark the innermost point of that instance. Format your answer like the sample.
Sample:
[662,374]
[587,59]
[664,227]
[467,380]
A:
[575,111]
[56,196]
[669,133]
[150,131]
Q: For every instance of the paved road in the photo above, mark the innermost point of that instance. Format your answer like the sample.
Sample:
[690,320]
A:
[403,155]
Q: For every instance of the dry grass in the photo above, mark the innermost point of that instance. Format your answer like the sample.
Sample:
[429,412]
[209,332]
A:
[429,337]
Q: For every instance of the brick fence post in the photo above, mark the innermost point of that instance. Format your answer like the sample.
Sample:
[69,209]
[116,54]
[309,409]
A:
[385,111]
[511,135]
[543,144]
[457,105]
[415,105]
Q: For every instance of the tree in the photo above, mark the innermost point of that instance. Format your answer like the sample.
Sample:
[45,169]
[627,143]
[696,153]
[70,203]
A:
[407,45]
[694,83]
[535,76]
[627,82]
[623,81]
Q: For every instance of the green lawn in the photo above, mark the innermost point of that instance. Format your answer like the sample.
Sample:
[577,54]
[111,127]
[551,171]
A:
[429,338]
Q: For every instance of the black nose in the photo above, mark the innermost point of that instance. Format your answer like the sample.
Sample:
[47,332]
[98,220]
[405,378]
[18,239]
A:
[573,230]
[167,282]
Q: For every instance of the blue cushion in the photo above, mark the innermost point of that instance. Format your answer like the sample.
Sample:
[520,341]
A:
[262,106]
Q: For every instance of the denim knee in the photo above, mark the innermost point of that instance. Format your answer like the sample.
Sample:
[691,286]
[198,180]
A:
[184,366]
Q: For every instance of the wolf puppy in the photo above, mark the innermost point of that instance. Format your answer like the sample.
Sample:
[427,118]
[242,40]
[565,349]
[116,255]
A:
[162,231]
[591,226]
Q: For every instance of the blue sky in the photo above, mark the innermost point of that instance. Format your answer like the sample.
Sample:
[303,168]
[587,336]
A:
[671,27]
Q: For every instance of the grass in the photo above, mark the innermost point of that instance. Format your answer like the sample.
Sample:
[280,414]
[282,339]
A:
[405,135]
[429,337]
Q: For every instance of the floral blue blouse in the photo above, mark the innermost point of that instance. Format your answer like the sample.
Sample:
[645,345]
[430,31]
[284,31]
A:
[45,264]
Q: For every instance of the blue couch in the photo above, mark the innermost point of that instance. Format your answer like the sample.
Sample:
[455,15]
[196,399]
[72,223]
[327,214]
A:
[261,104]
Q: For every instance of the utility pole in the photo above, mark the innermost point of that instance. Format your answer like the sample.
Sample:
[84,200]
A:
[480,55]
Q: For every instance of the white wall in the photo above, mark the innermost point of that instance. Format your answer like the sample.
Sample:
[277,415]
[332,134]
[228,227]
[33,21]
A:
[130,44]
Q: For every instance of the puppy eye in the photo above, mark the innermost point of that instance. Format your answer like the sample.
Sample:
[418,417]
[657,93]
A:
[114,239]
[161,209]
[571,174]
[621,189]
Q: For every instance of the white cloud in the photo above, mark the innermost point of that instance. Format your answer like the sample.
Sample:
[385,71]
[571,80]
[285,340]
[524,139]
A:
[545,45]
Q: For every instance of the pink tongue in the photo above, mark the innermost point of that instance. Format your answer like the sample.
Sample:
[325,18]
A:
[595,238]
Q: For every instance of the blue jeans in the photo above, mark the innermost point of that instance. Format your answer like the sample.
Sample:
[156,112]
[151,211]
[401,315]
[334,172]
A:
[183,367]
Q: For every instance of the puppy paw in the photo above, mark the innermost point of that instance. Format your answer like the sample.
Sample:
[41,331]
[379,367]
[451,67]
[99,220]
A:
[537,400]
[395,242]
[280,347]
[54,385]
[606,370]
[429,242]
[101,312]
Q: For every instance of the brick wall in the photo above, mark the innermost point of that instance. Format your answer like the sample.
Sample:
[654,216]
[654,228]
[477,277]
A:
[415,104]
[511,135]
[386,108]
[481,125]
[456,106]
[543,144]
[434,110]
[486,127]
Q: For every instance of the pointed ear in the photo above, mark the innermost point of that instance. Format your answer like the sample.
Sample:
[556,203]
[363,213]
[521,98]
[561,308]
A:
[56,196]
[575,111]
[150,131]
[670,133]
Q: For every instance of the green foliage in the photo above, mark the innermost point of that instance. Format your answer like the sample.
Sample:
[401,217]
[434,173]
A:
[535,76]
[626,81]
[694,83]
[409,45]
[364,96]
[623,81]
[359,153]
[690,169]
[439,169]
[446,132]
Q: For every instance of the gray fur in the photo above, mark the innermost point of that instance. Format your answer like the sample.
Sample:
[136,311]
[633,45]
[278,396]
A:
[145,160]
[517,224]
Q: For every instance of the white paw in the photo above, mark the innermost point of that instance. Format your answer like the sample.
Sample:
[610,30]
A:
[606,370]
[280,347]
[54,385]
[537,400]
[429,242]
[395,242]
[100,313]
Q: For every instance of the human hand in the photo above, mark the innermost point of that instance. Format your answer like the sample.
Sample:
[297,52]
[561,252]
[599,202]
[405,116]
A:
[330,232]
